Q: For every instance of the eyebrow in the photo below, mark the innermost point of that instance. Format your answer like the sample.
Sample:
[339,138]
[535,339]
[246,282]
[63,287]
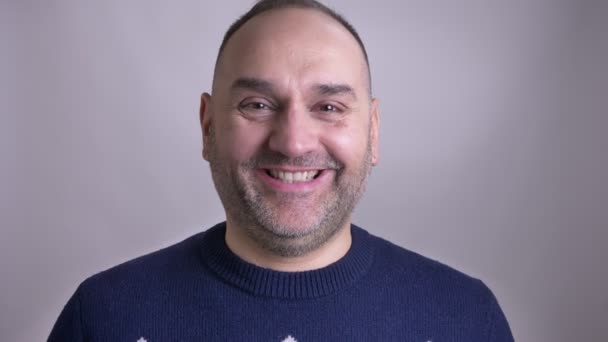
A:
[335,89]
[264,86]
[251,83]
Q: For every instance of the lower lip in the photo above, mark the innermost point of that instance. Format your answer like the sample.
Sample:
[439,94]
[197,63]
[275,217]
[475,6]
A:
[278,185]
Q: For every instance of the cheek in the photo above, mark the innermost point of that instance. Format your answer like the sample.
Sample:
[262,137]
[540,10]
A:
[239,141]
[347,143]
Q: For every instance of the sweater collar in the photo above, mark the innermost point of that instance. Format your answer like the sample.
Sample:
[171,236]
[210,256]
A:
[289,285]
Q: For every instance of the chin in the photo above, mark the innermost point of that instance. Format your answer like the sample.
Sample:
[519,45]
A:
[292,229]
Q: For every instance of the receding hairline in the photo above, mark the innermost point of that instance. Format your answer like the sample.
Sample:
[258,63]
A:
[266,6]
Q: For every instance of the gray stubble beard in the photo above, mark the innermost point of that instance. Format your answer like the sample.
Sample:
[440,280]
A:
[259,222]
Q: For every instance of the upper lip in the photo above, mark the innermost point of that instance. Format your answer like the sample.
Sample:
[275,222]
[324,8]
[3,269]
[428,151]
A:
[286,168]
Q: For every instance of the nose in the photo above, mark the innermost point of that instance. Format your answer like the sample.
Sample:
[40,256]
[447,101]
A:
[294,133]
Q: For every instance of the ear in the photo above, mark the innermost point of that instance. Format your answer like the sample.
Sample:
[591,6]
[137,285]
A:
[205,118]
[374,131]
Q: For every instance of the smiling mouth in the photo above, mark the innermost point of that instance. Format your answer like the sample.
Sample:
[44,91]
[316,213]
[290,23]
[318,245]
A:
[293,177]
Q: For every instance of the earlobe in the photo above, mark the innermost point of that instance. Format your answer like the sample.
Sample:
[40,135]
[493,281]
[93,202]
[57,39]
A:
[374,131]
[205,119]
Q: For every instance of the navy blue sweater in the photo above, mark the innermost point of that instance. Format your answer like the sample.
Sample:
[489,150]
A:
[198,290]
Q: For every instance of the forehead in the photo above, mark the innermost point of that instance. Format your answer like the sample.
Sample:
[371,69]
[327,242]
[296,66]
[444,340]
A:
[293,45]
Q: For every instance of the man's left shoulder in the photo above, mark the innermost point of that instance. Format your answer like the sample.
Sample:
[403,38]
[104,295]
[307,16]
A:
[422,287]
[415,271]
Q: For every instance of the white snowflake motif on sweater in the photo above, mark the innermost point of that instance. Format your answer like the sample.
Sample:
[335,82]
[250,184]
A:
[289,339]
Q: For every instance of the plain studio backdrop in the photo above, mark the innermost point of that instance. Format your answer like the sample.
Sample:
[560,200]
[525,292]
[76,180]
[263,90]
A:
[494,151]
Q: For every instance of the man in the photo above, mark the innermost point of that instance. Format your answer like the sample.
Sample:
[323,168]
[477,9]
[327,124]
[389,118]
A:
[290,132]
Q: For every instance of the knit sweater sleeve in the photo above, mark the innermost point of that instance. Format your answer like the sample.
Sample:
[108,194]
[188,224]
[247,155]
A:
[498,326]
[68,327]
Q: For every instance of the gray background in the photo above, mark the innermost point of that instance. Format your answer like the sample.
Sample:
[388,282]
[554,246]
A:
[493,146]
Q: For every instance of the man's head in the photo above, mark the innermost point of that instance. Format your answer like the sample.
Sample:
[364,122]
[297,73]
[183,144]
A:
[290,130]
[268,5]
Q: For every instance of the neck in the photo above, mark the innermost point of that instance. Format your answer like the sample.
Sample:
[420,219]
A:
[248,250]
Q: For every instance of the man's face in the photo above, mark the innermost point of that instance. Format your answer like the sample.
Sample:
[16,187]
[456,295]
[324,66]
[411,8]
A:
[290,131]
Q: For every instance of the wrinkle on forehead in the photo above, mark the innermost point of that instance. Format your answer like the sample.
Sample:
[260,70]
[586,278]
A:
[299,43]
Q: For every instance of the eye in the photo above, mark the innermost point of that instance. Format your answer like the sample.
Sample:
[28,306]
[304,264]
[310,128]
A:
[328,108]
[255,107]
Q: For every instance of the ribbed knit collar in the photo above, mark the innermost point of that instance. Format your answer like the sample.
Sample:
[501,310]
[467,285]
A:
[289,285]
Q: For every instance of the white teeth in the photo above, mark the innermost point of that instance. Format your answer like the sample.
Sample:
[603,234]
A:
[298,176]
[294,177]
[288,177]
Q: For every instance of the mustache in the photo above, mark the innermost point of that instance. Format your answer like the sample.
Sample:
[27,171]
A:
[313,160]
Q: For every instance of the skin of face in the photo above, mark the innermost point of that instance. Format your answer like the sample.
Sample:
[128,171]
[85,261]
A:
[290,132]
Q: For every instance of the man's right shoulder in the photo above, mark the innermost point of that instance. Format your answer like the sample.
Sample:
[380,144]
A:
[404,266]
[158,266]
[115,296]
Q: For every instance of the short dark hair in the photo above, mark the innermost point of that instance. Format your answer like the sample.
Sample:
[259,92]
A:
[268,5]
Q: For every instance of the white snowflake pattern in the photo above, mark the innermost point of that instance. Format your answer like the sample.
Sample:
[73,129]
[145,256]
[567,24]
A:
[290,339]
